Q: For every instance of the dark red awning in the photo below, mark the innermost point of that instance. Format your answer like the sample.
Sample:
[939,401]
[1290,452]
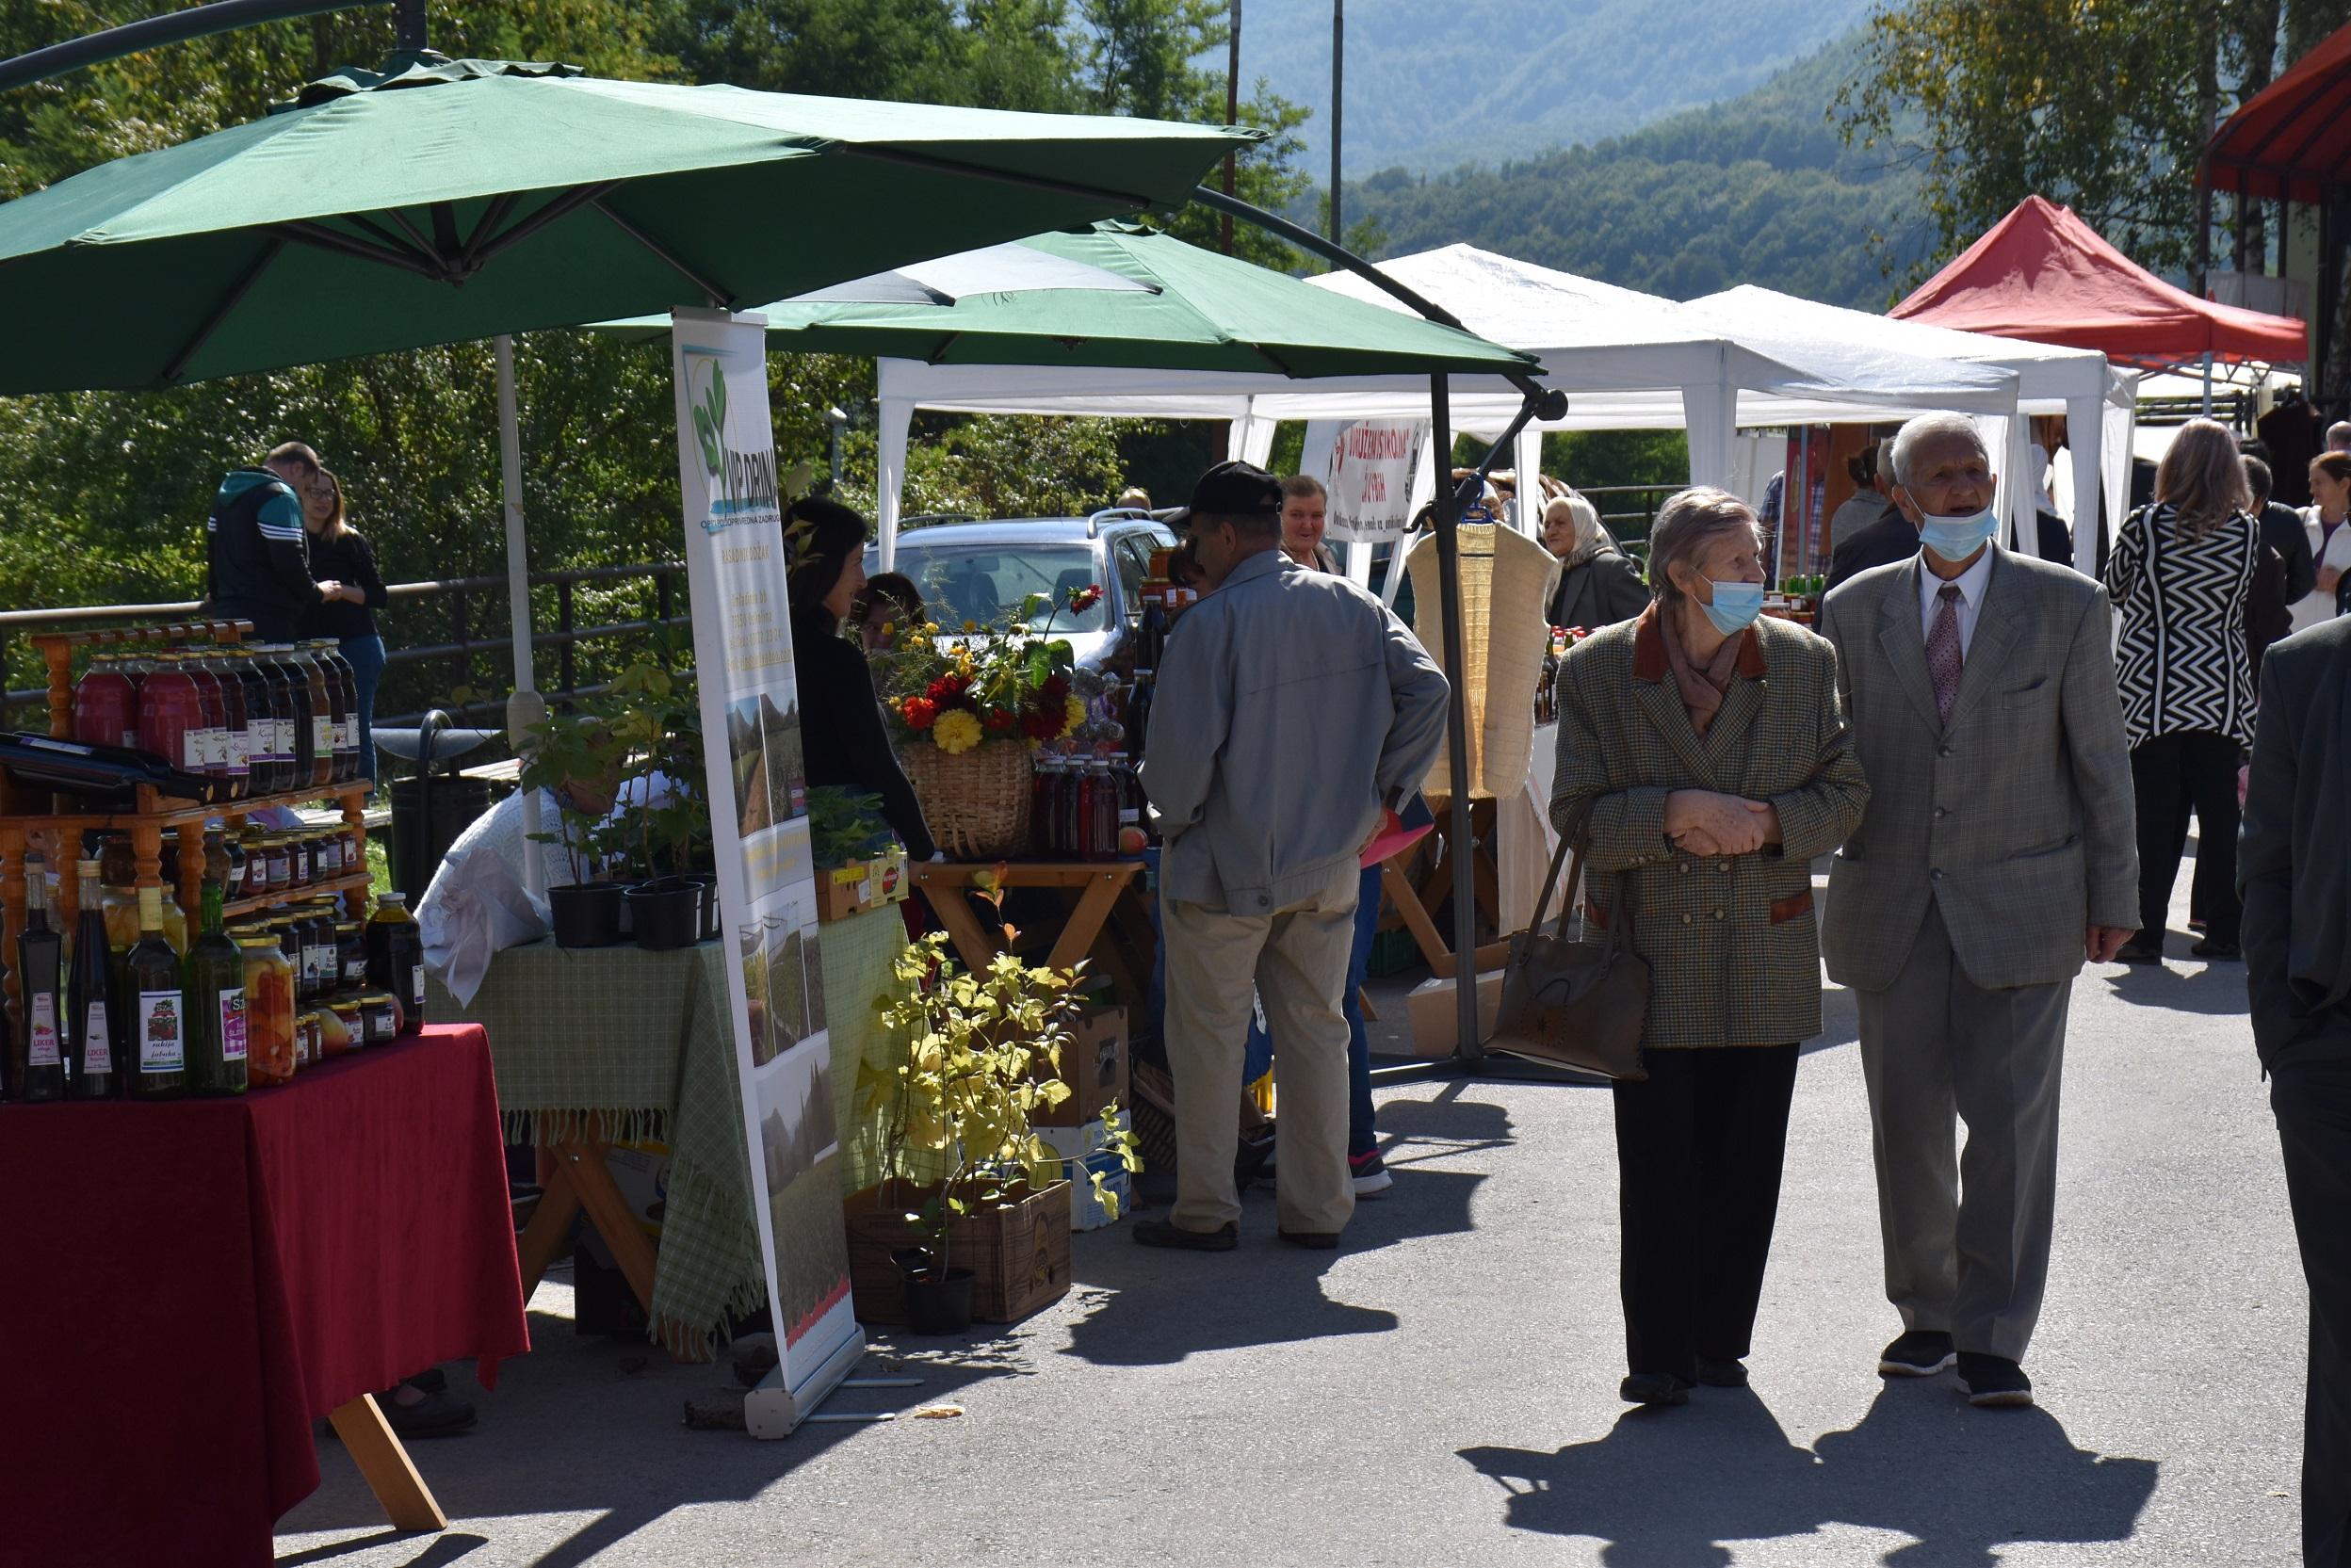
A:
[2041,273]
[2292,140]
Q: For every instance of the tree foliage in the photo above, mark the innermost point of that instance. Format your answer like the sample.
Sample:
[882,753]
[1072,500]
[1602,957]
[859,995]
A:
[2102,107]
[103,496]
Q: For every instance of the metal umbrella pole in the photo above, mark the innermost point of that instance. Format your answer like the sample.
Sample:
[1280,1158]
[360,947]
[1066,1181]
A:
[525,709]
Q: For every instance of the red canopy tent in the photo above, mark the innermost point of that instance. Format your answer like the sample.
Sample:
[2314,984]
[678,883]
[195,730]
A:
[2292,140]
[2042,273]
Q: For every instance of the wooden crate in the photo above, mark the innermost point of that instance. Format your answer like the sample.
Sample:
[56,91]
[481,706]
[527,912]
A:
[1019,1256]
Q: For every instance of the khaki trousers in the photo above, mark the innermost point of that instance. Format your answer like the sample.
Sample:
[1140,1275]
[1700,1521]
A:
[1297,960]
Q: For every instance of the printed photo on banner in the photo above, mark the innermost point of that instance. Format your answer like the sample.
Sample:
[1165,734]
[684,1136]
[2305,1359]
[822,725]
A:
[1367,467]
[762,746]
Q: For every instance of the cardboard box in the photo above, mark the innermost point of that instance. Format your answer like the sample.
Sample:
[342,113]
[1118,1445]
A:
[1431,1008]
[846,890]
[641,1171]
[1086,1212]
[1079,1142]
[1095,1066]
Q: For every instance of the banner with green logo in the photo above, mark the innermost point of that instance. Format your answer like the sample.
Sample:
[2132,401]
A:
[737,563]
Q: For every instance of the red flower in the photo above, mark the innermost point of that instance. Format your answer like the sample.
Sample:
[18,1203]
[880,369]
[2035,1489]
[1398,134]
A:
[921,713]
[1051,694]
[1082,599]
[1043,726]
[999,719]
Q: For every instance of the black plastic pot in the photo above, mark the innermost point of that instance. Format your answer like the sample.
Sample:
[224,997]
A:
[938,1302]
[586,915]
[666,912]
[709,906]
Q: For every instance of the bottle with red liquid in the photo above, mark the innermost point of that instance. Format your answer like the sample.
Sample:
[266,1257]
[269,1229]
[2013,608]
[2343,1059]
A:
[215,730]
[343,688]
[260,731]
[105,703]
[315,745]
[235,743]
[1041,806]
[284,715]
[171,715]
[1080,845]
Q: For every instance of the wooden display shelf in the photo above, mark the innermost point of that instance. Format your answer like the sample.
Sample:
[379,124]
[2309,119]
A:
[355,882]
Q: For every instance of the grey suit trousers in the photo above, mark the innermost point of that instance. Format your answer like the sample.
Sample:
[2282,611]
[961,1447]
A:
[1966,1237]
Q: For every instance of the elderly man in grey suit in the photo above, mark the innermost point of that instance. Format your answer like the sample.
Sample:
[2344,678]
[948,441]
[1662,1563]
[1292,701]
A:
[2293,869]
[1996,854]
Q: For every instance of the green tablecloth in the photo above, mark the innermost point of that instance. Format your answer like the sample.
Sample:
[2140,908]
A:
[617,1044]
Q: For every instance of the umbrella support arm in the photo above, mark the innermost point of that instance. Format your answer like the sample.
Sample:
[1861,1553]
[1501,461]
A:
[196,21]
[720,298]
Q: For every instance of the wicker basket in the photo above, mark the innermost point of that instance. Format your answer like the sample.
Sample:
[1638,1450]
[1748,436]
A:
[974,803]
[1019,1254]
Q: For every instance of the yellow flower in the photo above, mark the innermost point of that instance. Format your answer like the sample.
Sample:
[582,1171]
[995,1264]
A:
[1073,712]
[956,730]
[971,626]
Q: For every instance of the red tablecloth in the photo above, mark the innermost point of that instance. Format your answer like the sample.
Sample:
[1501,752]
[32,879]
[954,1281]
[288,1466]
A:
[188,1286]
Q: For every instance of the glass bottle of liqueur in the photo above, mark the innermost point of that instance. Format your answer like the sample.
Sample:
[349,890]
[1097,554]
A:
[91,1072]
[158,1005]
[396,958]
[40,970]
[212,978]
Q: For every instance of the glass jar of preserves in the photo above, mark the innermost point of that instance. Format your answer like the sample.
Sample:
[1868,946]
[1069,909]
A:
[172,717]
[235,740]
[306,1039]
[281,865]
[234,851]
[354,853]
[344,1029]
[269,1010]
[315,745]
[105,703]
[350,947]
[381,1016]
[329,850]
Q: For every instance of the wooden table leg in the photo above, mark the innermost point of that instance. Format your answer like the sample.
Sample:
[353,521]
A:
[582,1165]
[550,1221]
[1084,923]
[963,928]
[373,1448]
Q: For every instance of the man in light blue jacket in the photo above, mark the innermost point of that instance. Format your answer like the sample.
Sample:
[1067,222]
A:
[1293,716]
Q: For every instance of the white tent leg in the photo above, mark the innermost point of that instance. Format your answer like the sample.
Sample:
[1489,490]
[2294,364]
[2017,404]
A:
[2085,427]
[897,417]
[1711,414]
[2113,463]
[1528,460]
[525,708]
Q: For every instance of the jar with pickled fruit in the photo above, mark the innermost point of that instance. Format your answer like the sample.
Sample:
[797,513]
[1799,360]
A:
[269,1010]
[340,1028]
[105,703]
[172,717]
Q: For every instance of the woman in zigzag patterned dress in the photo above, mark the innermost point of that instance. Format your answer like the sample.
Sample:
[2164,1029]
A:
[2181,576]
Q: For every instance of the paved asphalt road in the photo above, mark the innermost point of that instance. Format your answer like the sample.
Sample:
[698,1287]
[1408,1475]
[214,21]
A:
[1443,1390]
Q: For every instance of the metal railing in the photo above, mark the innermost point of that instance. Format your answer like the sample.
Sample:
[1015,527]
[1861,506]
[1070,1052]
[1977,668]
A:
[1629,511]
[461,643]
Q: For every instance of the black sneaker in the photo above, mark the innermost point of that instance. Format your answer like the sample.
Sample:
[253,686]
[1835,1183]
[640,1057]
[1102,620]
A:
[1371,1175]
[1654,1388]
[1919,1354]
[1316,1241]
[1993,1381]
[2135,951]
[1166,1233]
[1722,1372]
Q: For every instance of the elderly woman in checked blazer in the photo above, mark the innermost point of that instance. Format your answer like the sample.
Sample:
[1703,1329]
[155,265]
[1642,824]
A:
[1703,763]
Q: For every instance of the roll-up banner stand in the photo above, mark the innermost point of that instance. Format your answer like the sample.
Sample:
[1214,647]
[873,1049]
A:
[736,561]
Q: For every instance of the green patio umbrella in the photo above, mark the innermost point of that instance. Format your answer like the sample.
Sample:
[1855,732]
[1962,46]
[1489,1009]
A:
[441,201]
[1126,296]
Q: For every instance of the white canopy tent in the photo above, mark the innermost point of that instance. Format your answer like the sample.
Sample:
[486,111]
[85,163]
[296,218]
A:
[2096,398]
[1626,360]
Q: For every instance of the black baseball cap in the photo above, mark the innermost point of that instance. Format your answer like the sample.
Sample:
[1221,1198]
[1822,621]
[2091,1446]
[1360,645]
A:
[1233,489]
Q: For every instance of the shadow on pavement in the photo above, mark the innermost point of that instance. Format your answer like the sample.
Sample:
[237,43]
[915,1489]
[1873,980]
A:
[1665,1488]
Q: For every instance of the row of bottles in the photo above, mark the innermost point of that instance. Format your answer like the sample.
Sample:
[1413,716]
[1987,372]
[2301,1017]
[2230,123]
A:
[155,1020]
[256,718]
[1080,804]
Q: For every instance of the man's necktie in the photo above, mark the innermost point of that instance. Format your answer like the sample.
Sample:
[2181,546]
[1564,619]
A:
[1943,662]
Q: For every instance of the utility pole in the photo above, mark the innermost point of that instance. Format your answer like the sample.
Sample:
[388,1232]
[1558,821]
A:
[1232,108]
[1339,99]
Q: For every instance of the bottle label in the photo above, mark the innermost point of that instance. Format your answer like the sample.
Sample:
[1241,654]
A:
[130,738]
[40,1044]
[261,739]
[331,858]
[417,992]
[315,969]
[346,735]
[321,735]
[97,1045]
[355,969]
[192,751]
[1130,817]
[162,1046]
[233,1024]
[284,750]
[241,754]
[217,748]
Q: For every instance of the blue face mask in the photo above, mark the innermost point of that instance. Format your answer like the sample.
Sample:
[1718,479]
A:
[1735,605]
[1955,539]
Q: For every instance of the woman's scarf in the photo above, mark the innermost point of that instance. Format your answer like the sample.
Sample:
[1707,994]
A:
[1702,686]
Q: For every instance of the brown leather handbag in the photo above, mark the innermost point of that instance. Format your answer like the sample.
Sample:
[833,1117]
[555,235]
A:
[1575,1004]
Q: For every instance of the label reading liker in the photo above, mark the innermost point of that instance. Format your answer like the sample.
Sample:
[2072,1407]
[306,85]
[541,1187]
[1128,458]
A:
[41,1047]
[97,1045]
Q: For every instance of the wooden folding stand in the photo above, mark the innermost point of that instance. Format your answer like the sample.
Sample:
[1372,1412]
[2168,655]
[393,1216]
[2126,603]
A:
[1098,886]
[574,1177]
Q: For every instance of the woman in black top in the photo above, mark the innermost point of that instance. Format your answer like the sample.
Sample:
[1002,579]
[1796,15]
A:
[840,724]
[351,591]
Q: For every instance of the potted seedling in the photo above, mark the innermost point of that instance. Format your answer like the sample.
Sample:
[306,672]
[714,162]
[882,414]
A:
[660,805]
[568,749]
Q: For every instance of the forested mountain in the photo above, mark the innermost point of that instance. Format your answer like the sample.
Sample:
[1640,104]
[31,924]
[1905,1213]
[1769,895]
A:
[1756,189]
[1431,87]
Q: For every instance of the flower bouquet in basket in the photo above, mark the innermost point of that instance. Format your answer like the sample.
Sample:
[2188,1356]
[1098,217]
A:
[966,707]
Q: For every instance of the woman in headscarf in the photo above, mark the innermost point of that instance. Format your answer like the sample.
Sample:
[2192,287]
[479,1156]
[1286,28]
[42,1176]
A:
[1598,586]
